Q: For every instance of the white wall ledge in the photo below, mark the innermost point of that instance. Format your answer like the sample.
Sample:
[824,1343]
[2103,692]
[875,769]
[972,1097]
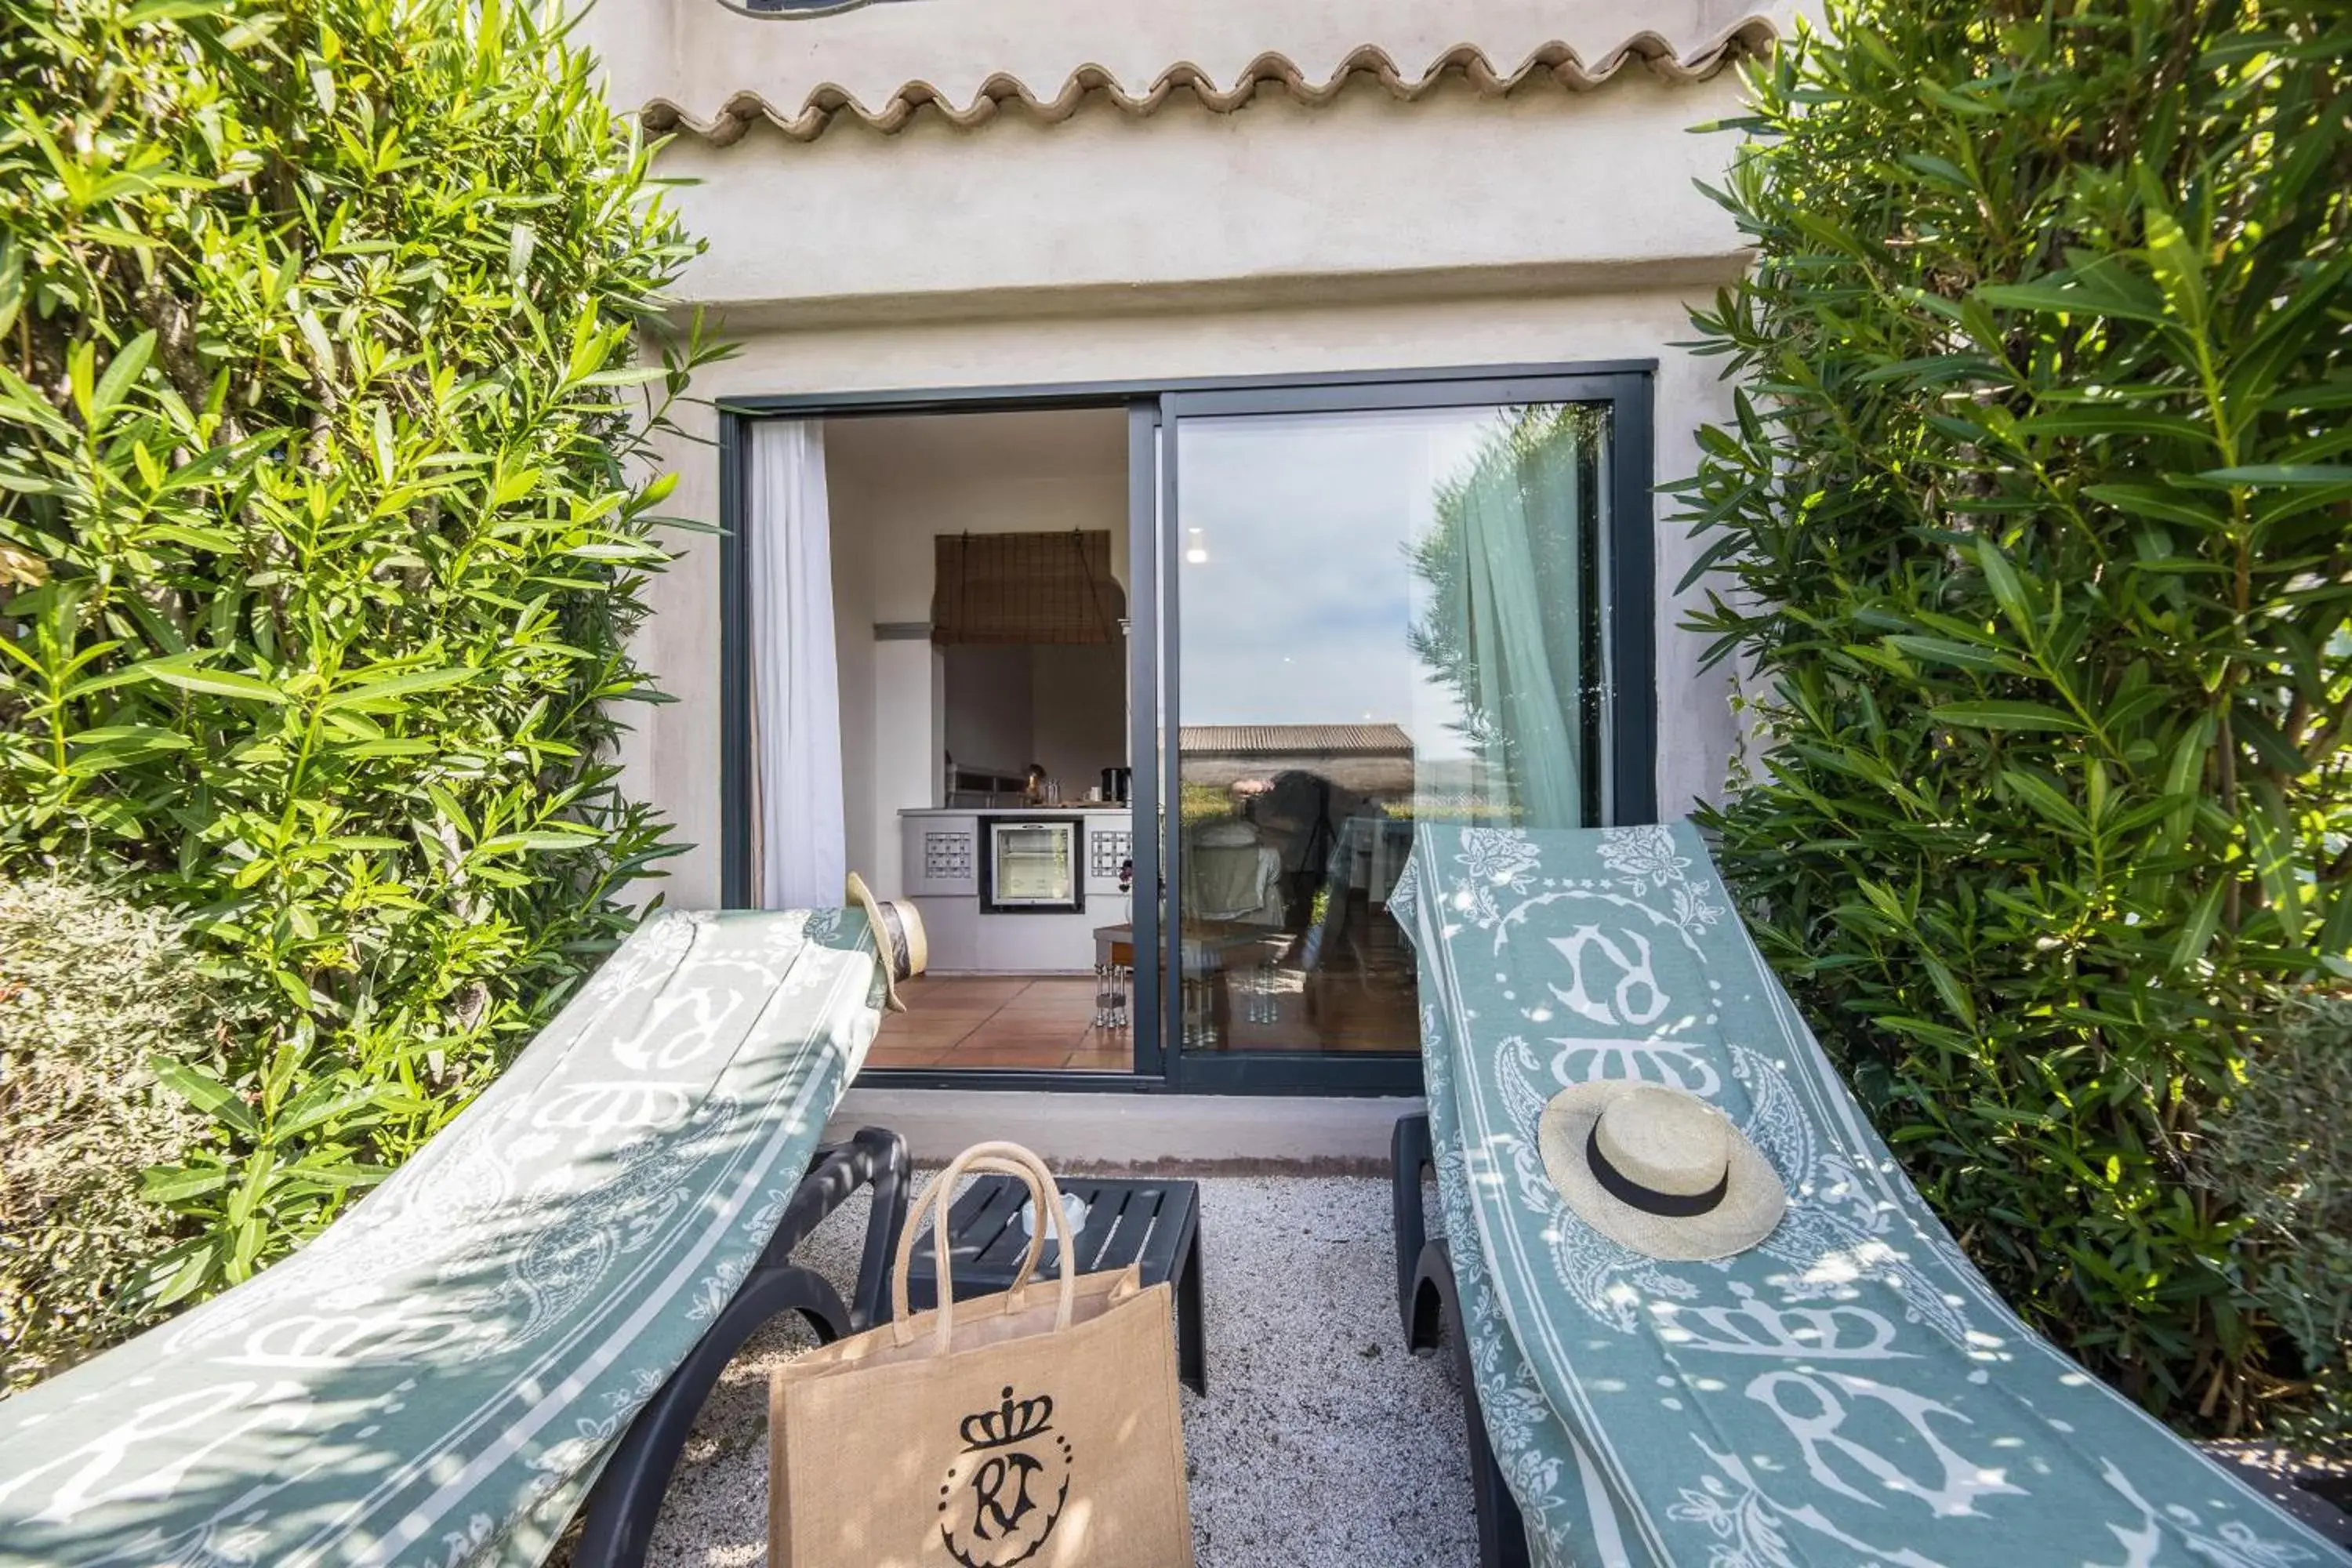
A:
[1266,292]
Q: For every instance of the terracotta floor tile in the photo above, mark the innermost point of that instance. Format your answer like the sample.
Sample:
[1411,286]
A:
[1070,1021]
[962,993]
[1015,1035]
[927,1029]
[1017,1021]
[1079,998]
[884,1054]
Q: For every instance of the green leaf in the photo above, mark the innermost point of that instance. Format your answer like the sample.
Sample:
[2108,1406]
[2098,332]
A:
[146,737]
[2082,299]
[185,1277]
[2002,715]
[545,838]
[628,376]
[186,672]
[207,1093]
[2172,506]
[2008,591]
[381,688]
[1949,987]
[2047,800]
[2178,266]
[174,1184]
[2197,935]
[12,283]
[1959,654]
[2081,420]
[2282,474]
[120,372]
[320,1103]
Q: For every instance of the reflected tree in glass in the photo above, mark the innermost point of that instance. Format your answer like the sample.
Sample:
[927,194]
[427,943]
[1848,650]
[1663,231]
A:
[1511,623]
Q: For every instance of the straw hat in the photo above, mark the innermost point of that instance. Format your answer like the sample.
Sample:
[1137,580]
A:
[1659,1170]
[899,939]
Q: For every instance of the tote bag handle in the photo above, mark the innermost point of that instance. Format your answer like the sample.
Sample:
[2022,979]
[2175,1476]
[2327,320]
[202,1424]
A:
[1004,1159]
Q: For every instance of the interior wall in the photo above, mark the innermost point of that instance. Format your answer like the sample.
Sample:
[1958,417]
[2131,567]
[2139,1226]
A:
[992,711]
[1078,699]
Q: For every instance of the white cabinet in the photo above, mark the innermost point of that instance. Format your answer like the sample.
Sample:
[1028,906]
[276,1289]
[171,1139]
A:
[942,849]
[941,854]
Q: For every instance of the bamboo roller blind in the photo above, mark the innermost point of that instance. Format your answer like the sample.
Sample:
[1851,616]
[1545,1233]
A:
[1025,588]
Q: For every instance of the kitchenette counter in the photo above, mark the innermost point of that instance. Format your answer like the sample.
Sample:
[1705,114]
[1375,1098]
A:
[1067,808]
[947,876]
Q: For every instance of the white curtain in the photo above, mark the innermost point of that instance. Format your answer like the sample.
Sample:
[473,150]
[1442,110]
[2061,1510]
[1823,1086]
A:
[799,846]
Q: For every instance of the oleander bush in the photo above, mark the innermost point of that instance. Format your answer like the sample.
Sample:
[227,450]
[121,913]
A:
[331,334]
[93,991]
[2031,546]
[2281,1154]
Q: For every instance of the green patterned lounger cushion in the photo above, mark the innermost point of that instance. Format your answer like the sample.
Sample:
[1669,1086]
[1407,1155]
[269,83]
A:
[1850,1392]
[438,1378]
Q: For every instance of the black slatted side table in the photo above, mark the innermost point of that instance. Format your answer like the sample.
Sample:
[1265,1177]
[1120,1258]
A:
[1154,1224]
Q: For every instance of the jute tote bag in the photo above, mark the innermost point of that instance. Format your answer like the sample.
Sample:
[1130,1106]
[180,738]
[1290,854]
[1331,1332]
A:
[1036,1426]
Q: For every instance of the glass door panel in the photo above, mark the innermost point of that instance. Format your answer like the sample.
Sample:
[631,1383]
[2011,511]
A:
[1381,616]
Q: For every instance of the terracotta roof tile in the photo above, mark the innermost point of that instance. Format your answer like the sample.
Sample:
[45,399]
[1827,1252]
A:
[1293,740]
[1554,62]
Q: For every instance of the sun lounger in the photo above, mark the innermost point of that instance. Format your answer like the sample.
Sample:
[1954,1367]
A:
[543,1294]
[1851,1391]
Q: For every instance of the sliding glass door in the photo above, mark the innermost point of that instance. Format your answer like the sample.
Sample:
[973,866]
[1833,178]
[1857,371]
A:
[1353,603]
[1381,607]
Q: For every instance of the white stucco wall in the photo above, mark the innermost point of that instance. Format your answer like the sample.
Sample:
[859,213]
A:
[673,756]
[1365,233]
[1538,190]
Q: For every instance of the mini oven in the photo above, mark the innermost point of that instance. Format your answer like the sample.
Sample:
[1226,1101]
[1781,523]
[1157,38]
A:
[1032,864]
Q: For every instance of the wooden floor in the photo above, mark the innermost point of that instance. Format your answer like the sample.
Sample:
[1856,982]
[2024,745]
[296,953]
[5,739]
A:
[1000,1021]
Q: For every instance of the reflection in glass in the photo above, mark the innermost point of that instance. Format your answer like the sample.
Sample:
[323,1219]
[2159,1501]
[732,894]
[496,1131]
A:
[1380,617]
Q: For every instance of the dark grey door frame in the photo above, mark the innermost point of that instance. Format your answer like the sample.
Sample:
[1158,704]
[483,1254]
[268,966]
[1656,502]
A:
[1154,408]
[1629,698]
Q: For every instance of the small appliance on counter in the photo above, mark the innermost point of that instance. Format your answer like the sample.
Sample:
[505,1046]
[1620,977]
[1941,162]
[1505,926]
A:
[1119,785]
[1032,864]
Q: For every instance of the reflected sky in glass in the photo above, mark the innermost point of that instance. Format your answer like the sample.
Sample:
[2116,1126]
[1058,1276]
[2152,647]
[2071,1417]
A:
[1300,613]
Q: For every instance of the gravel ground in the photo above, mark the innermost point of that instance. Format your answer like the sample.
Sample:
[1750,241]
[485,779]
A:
[1321,1441]
[2316,1491]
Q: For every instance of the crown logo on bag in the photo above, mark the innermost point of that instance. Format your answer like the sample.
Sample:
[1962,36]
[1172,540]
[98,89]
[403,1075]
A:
[1012,1421]
[1005,1492]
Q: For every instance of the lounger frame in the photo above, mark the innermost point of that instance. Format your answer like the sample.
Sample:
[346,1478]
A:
[1430,1310]
[628,1498]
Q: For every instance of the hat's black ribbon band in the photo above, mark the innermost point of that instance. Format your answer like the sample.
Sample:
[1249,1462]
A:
[897,951]
[1649,1200]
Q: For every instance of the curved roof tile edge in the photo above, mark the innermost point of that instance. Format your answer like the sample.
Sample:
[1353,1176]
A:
[1755,36]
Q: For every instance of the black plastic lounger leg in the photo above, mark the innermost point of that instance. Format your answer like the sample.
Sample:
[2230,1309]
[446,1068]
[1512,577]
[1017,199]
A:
[1408,1156]
[884,1162]
[1502,1531]
[1192,1337]
[628,1498]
